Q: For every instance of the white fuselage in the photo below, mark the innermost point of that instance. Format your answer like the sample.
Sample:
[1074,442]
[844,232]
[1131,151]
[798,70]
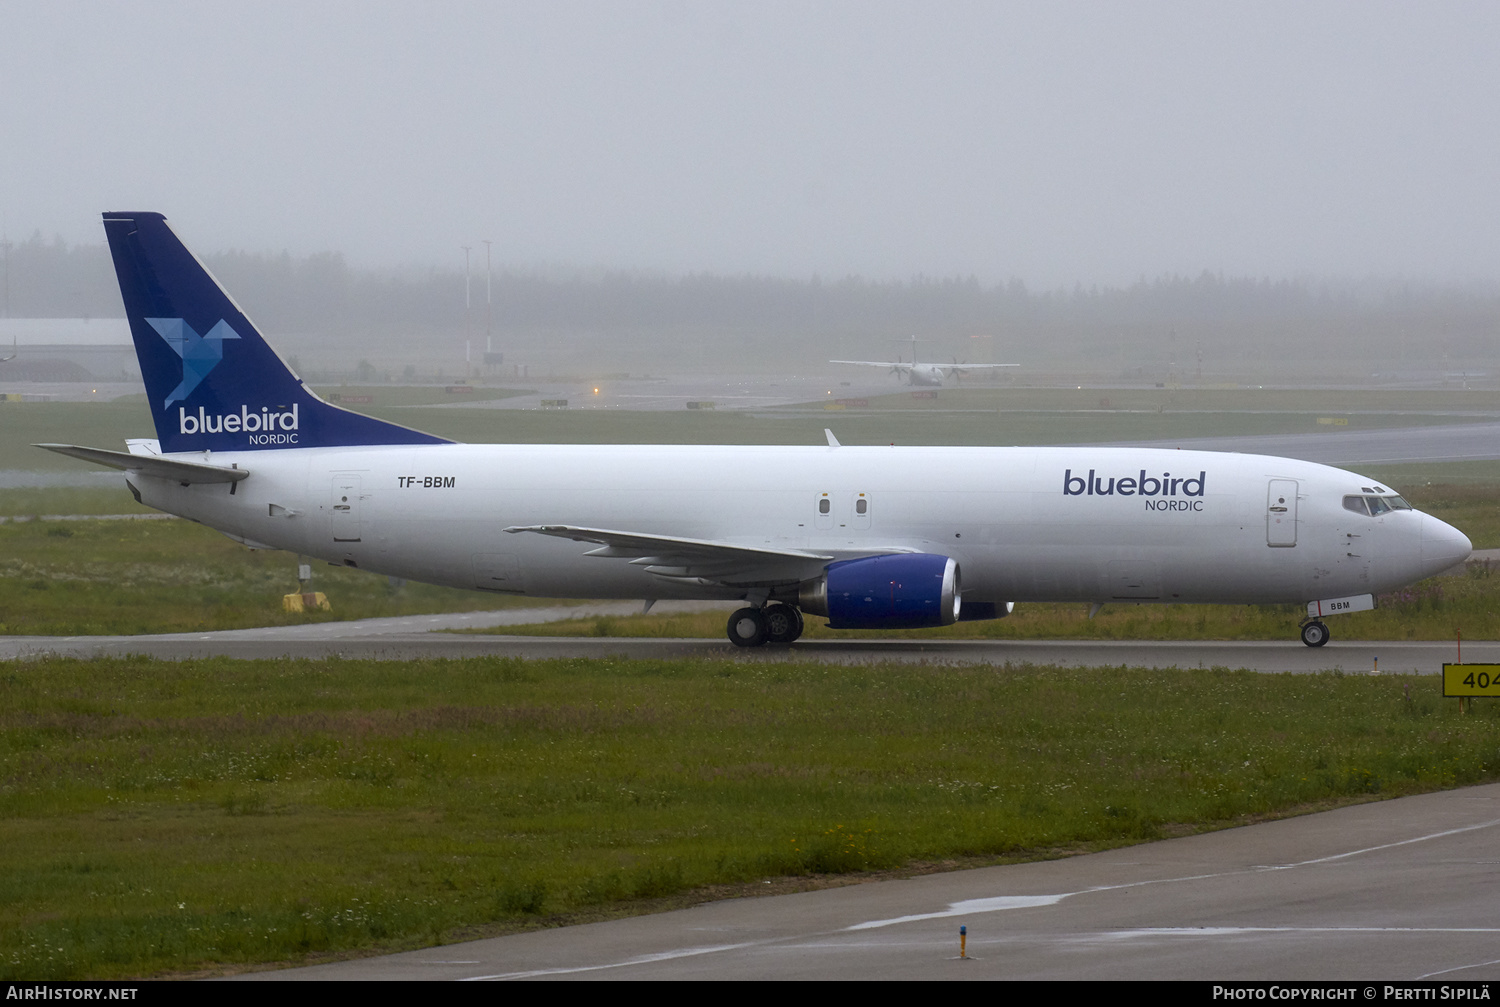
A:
[1024,524]
[924,375]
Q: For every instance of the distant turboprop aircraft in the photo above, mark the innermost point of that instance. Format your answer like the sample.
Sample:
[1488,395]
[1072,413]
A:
[928,375]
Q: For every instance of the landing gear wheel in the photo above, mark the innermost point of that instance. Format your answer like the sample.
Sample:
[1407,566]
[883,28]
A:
[747,628]
[1315,634]
[783,623]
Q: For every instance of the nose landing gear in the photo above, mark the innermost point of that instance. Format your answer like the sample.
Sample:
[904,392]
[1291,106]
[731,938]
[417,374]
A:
[752,627]
[1314,633]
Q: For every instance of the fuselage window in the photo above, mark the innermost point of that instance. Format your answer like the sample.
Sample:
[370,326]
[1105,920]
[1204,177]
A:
[1356,504]
[824,506]
[861,506]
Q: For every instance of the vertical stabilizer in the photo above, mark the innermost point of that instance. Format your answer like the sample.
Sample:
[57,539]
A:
[213,381]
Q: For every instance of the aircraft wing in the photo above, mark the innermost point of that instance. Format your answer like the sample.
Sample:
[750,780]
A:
[699,560]
[873,363]
[151,465]
[632,544]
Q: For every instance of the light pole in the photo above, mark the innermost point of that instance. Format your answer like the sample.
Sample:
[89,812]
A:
[467,340]
[489,310]
[5,244]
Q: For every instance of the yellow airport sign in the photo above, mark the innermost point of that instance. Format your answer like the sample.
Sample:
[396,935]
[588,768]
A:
[1471,679]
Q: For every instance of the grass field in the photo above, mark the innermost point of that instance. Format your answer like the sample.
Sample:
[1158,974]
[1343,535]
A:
[125,577]
[111,498]
[197,816]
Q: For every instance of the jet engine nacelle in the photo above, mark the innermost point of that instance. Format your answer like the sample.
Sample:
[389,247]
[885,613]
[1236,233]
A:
[902,591]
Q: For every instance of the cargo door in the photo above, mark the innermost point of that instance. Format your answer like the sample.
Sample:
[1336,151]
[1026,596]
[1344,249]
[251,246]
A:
[1281,513]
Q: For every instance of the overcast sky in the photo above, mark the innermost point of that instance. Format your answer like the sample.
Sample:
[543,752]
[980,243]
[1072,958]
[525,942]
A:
[1054,142]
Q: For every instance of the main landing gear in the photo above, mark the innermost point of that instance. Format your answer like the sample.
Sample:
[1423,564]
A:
[1314,633]
[752,627]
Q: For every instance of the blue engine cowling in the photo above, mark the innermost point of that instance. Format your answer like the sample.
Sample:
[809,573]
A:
[902,591]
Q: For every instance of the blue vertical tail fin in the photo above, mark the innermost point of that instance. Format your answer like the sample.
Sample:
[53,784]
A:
[213,381]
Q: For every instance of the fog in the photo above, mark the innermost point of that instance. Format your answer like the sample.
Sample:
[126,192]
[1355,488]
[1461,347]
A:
[1055,144]
[343,322]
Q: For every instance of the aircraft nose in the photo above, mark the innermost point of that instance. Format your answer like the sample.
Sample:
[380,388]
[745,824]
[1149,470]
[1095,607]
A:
[1443,545]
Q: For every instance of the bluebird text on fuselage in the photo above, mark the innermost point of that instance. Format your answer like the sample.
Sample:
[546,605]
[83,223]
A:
[1143,485]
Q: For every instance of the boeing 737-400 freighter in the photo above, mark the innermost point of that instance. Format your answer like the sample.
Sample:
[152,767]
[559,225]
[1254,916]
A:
[866,537]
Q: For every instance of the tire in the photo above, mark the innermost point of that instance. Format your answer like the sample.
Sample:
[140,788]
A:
[1315,634]
[747,628]
[783,623]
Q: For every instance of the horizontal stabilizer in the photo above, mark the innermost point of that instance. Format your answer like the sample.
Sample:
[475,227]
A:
[162,468]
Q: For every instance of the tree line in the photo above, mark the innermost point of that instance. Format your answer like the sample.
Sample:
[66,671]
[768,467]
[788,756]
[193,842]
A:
[1169,319]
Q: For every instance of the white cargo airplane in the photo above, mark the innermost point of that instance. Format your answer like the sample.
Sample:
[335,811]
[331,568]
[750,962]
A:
[928,375]
[867,537]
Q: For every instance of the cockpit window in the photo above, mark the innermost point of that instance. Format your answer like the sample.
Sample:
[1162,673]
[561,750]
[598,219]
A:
[1374,505]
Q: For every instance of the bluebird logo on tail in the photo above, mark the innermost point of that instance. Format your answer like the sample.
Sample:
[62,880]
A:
[182,321]
[200,354]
